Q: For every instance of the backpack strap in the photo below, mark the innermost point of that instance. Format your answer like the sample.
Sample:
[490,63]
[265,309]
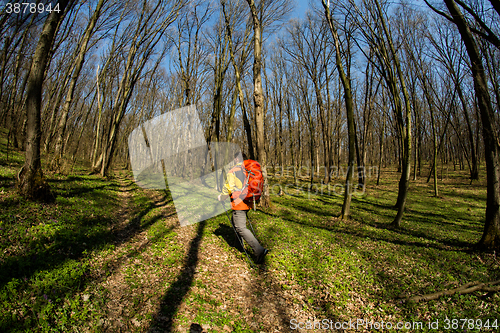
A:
[239,198]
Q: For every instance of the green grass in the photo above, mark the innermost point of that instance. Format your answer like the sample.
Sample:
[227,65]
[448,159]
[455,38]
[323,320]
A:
[364,258]
[56,257]
[47,248]
[360,268]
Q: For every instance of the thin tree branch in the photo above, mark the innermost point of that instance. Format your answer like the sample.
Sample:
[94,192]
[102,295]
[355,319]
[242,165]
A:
[490,36]
[465,289]
[443,14]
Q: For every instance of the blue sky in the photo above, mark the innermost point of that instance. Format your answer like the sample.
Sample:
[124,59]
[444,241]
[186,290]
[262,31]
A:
[300,8]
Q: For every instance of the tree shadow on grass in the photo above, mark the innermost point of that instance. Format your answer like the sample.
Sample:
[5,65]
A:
[68,179]
[438,243]
[171,301]
[276,307]
[76,191]
[417,221]
[446,221]
[58,258]
[119,187]
[313,210]
[229,235]
[429,259]
[270,305]
[322,200]
[374,204]
[449,244]
[71,241]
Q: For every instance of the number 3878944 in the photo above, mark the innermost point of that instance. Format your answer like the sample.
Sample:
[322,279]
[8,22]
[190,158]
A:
[30,7]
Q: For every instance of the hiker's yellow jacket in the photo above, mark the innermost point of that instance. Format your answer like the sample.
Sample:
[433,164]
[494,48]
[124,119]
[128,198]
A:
[232,187]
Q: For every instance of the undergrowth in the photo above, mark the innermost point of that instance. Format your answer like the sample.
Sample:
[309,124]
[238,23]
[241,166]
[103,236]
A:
[340,270]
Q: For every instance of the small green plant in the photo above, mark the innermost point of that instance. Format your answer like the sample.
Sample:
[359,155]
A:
[105,240]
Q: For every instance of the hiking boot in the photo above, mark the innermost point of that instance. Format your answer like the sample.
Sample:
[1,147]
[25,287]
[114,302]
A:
[262,256]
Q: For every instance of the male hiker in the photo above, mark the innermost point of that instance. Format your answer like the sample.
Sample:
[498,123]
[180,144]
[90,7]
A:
[232,188]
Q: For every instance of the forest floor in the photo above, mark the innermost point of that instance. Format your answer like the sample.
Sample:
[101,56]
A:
[107,256]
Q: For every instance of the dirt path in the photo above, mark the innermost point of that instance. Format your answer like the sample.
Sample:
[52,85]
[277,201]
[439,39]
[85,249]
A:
[161,277]
[121,292]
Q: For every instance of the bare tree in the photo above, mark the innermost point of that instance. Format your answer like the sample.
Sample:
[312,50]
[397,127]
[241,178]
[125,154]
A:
[80,59]
[379,36]
[258,97]
[349,104]
[491,235]
[238,69]
[308,48]
[154,19]
[30,178]
[189,49]
[452,59]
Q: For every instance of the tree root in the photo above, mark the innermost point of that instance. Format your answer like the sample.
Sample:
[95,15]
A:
[490,287]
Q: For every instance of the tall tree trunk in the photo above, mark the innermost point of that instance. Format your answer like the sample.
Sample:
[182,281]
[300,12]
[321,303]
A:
[80,59]
[434,145]
[424,78]
[403,120]
[474,170]
[381,150]
[312,133]
[258,98]
[13,97]
[30,178]
[321,112]
[98,126]
[359,173]
[280,140]
[54,104]
[241,97]
[84,124]
[290,134]
[230,122]
[417,143]
[328,141]
[350,115]
[149,31]
[491,234]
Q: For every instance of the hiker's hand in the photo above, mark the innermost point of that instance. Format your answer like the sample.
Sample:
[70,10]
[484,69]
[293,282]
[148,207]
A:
[222,197]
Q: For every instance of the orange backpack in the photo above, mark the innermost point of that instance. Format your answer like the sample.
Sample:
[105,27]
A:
[254,180]
[253,183]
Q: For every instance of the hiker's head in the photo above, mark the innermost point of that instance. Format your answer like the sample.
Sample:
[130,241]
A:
[240,156]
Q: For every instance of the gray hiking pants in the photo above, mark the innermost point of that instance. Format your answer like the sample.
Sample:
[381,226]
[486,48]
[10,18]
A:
[240,224]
